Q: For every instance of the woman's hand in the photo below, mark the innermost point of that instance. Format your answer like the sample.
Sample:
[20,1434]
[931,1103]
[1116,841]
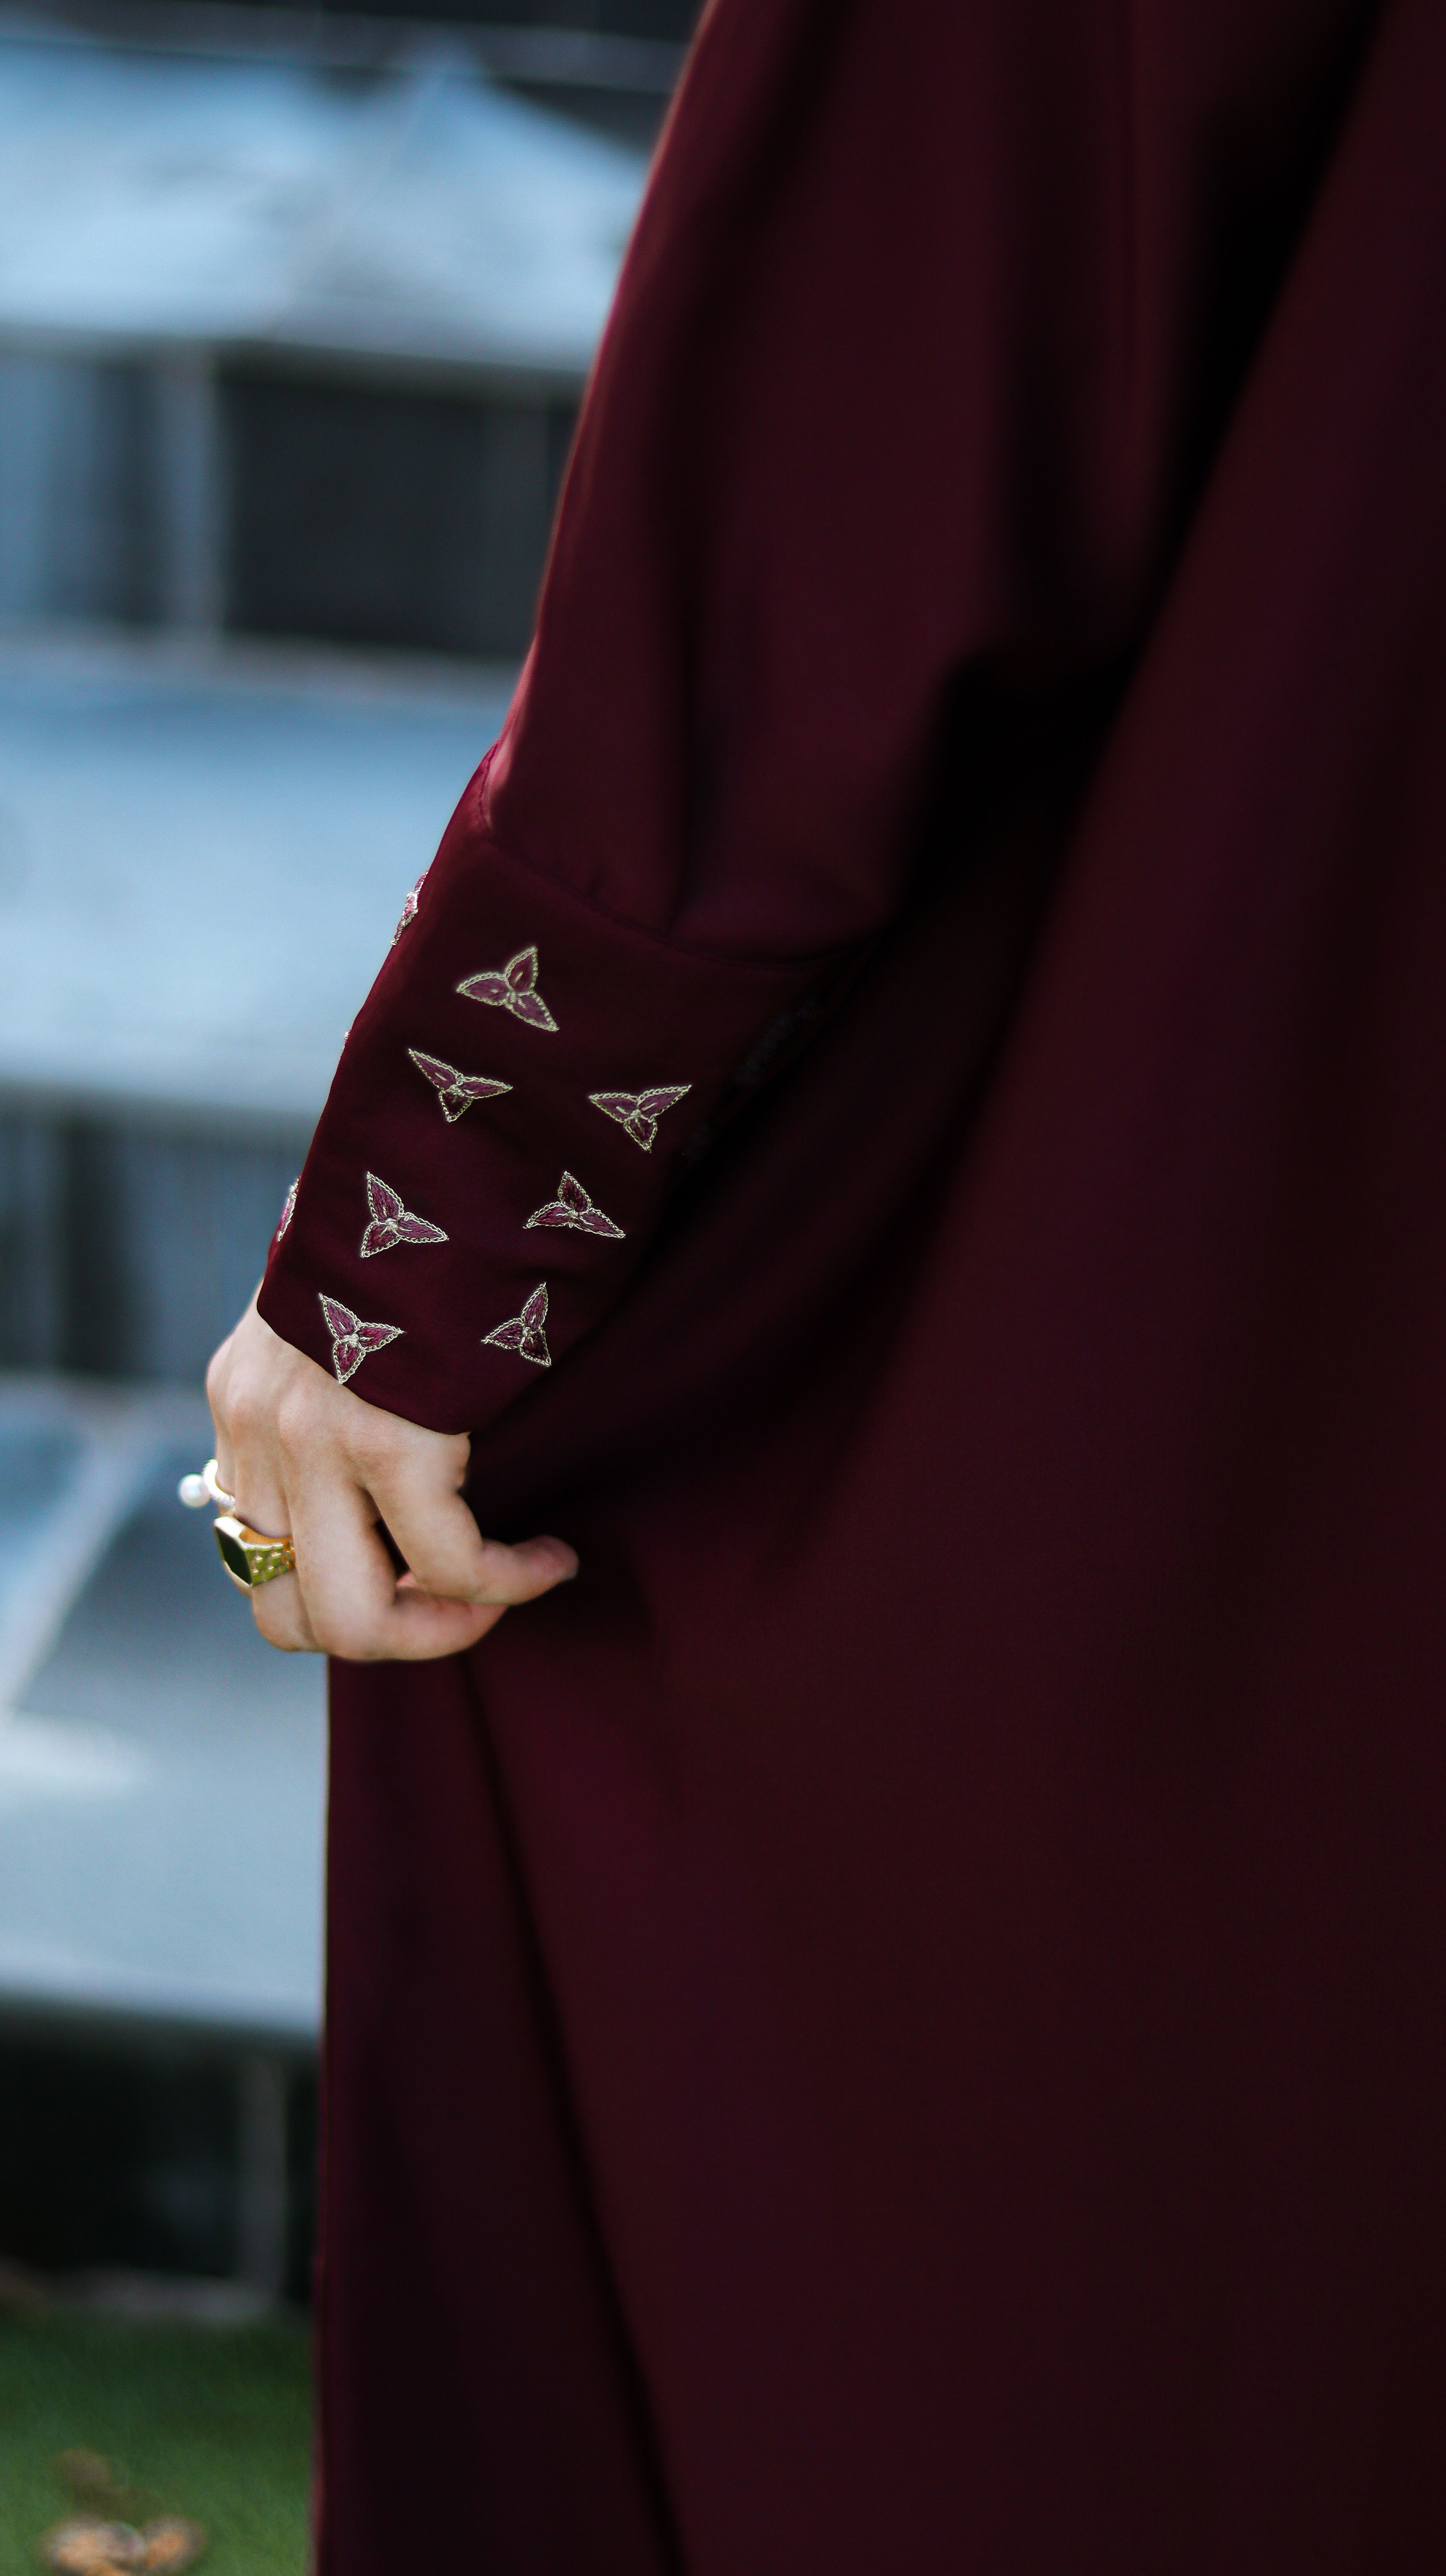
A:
[308,1461]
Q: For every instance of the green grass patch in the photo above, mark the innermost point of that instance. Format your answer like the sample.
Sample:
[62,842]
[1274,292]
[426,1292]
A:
[214,2422]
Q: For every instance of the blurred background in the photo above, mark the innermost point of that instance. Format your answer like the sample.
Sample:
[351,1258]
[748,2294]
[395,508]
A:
[296,309]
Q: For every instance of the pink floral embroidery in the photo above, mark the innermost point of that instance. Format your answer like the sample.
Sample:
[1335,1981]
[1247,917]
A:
[638,1112]
[351,1339]
[289,1208]
[455,1091]
[391,1223]
[409,908]
[513,988]
[573,1208]
[523,1333]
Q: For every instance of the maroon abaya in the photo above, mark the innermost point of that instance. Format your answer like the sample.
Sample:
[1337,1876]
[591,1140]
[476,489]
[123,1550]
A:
[894,2027]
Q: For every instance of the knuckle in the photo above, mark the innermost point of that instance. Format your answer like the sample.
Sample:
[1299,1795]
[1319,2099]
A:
[444,1574]
[299,1428]
[279,1622]
[244,1412]
[348,1638]
[372,1447]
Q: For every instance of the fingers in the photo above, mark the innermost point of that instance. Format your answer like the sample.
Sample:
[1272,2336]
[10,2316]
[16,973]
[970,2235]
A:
[243,1401]
[345,1599]
[217,1376]
[279,1610]
[350,1597]
[304,1457]
[446,1551]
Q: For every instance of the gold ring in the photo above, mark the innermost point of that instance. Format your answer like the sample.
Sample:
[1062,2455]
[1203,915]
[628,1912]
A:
[248,1557]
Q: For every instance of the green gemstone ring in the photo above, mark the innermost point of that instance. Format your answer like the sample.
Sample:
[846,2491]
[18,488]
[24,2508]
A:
[249,1558]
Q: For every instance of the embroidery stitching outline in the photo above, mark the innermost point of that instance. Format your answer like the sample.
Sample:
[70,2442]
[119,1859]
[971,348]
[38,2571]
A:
[513,988]
[523,1333]
[455,1090]
[573,1209]
[352,1341]
[410,904]
[288,1209]
[392,1223]
[638,1112]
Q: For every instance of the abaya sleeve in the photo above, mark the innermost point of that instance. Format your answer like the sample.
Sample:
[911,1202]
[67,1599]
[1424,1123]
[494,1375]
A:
[930,317]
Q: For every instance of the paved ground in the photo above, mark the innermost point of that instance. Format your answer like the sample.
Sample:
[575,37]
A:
[161,1770]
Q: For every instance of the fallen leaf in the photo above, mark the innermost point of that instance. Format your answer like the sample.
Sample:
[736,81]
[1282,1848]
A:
[170,2544]
[84,2547]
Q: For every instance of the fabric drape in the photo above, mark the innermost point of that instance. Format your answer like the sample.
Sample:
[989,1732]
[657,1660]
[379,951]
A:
[897,2022]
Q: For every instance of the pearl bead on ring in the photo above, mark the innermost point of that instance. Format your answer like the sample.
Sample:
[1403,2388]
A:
[248,1557]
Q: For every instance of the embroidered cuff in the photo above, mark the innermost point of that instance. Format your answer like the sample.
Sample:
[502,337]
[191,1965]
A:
[510,1108]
